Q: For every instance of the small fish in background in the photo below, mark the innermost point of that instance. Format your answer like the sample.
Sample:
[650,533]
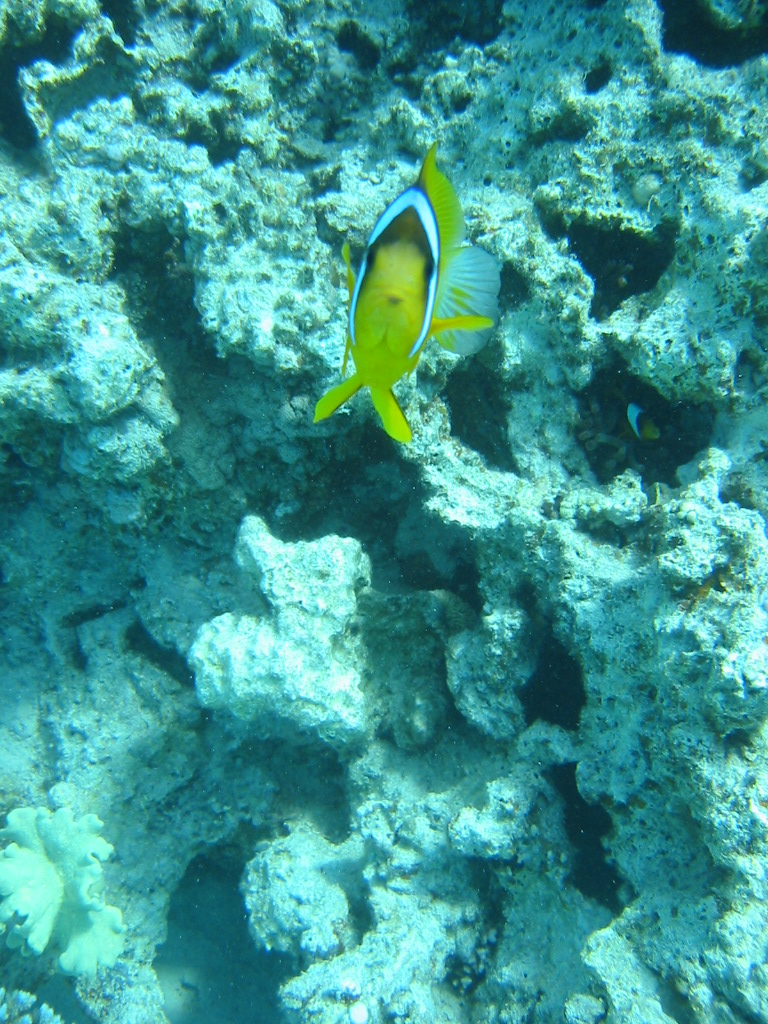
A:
[417,280]
[642,425]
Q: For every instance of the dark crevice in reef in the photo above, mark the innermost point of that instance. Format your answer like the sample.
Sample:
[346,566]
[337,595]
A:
[566,125]
[409,547]
[124,17]
[436,25]
[55,45]
[515,289]
[465,970]
[555,692]
[208,934]
[149,264]
[620,261]
[312,785]
[675,1004]
[598,77]
[586,825]
[417,571]
[477,396]
[353,39]
[671,432]
[166,659]
[737,741]
[218,135]
[92,612]
[210,54]
[689,27]
[552,220]
[476,399]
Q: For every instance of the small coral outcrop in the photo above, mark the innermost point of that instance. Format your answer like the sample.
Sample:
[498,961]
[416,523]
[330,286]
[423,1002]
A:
[297,668]
[17,1007]
[52,889]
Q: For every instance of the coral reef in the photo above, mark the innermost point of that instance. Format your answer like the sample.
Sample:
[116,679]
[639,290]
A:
[300,671]
[476,724]
[19,1008]
[51,883]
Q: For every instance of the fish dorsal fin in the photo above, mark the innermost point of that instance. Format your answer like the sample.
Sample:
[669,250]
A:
[443,200]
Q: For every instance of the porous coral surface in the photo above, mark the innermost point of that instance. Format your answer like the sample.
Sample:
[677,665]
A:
[469,730]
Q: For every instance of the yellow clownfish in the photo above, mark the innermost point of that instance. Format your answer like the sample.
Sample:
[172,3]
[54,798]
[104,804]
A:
[417,280]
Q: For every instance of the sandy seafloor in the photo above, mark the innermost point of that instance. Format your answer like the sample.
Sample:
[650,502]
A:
[470,730]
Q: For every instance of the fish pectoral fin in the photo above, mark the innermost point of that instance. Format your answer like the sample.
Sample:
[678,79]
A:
[392,417]
[332,399]
[469,285]
[351,280]
[460,323]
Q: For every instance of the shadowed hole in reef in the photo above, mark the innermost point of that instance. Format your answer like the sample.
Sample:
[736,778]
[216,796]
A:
[166,659]
[515,289]
[476,394]
[671,432]
[620,261]
[369,492]
[218,134]
[437,24]
[465,969]
[555,692]
[208,967]
[598,77]
[55,45]
[586,825]
[124,18]
[674,1003]
[476,399]
[737,741]
[352,39]
[149,264]
[312,784]
[689,27]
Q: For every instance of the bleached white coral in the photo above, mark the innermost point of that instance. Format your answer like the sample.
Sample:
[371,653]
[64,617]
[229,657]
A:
[52,889]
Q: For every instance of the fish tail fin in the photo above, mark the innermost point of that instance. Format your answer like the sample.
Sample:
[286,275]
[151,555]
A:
[332,399]
[392,416]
